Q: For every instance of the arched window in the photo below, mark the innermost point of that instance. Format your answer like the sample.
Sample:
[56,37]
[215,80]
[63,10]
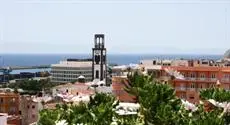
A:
[193,85]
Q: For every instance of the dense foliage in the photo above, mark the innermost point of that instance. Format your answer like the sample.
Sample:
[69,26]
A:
[99,111]
[159,106]
[32,86]
[217,94]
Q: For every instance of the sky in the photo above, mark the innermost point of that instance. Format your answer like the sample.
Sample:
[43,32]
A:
[130,26]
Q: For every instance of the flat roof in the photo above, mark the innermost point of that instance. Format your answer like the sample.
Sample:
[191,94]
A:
[73,64]
[200,68]
[71,59]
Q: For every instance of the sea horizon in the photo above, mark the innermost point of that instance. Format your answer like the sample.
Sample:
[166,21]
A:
[120,59]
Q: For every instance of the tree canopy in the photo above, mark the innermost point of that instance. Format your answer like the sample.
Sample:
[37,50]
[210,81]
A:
[158,106]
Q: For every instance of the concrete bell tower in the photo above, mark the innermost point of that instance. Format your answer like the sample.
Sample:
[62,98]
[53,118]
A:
[99,58]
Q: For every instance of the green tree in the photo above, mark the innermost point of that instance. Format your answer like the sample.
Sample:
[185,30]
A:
[99,111]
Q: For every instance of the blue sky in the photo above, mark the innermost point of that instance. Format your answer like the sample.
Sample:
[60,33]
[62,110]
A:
[153,27]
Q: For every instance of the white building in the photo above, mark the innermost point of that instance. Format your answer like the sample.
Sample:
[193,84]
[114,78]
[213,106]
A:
[71,69]
[3,119]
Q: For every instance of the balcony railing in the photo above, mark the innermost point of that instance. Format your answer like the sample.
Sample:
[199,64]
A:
[192,89]
[181,88]
[225,80]
[213,79]
[202,79]
[198,79]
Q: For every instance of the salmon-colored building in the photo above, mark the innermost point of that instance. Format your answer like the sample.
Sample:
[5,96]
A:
[9,103]
[197,78]
[197,74]
[118,89]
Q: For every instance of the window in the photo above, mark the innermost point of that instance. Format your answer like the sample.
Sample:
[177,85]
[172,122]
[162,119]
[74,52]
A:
[192,75]
[28,106]
[97,74]
[33,116]
[1,100]
[191,97]
[213,75]
[33,106]
[226,76]
[97,59]
[104,59]
[202,75]
[193,85]
[182,73]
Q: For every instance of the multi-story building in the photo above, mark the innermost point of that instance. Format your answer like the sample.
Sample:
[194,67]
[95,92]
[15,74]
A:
[197,78]
[9,102]
[198,74]
[29,109]
[71,69]
[92,69]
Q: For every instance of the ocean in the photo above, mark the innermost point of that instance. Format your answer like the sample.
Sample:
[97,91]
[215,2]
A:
[47,59]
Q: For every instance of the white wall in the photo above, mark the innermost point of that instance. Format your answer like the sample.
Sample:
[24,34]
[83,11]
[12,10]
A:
[3,120]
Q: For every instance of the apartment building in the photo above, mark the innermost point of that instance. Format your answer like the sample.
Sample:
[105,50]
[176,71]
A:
[197,78]
[29,109]
[198,74]
[69,70]
[9,102]
[194,79]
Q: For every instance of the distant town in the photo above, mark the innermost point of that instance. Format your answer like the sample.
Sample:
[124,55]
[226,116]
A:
[25,94]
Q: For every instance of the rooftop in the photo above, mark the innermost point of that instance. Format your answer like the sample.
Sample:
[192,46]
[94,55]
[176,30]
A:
[75,60]
[73,64]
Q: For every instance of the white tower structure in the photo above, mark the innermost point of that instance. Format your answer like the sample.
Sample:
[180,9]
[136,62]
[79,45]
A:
[99,58]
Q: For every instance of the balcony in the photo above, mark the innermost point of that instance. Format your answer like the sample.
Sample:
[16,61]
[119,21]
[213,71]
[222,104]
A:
[191,89]
[202,79]
[192,78]
[213,79]
[225,80]
[181,88]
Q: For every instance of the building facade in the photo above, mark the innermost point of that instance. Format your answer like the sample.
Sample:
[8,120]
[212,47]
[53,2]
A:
[197,75]
[9,103]
[70,70]
[198,78]
[92,69]
[29,110]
